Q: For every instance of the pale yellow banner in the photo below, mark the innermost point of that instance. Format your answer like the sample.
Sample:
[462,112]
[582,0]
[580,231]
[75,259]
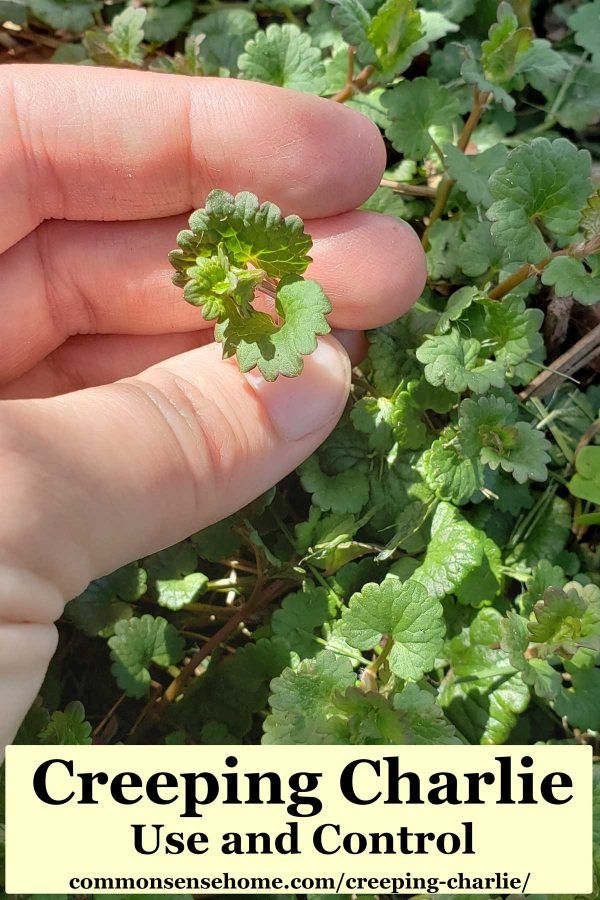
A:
[320,820]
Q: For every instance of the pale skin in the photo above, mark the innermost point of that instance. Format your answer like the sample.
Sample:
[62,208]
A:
[122,430]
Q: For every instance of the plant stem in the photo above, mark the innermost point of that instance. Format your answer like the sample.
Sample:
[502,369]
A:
[258,599]
[480,101]
[411,190]
[530,270]
[111,712]
[575,358]
[240,564]
[356,84]
[377,663]
[522,10]
[207,609]
[586,438]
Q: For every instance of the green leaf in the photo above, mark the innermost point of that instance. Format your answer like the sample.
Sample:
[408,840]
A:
[223,35]
[542,66]
[449,472]
[219,541]
[420,711]
[566,619]
[218,286]
[543,576]
[232,690]
[457,363]
[388,358]
[506,44]
[136,644]
[127,34]
[317,703]
[547,535]
[68,727]
[445,239]
[456,10]
[13,11]
[543,181]
[409,528]
[278,349]
[173,576]
[248,231]
[586,482]
[395,34]
[186,63]
[483,696]
[302,711]
[590,215]
[415,107]
[412,717]
[337,475]
[512,330]
[326,541]
[391,422]
[456,305]
[478,254]
[487,429]
[285,56]
[402,611]
[211,264]
[472,73]
[579,107]
[570,278]
[460,559]
[579,702]
[299,615]
[538,673]
[435,26]
[72,15]
[107,600]
[471,173]
[33,724]
[585,22]
[346,492]
[353,21]
[163,23]
[371,106]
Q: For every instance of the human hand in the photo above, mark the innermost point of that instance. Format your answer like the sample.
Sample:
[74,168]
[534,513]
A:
[97,168]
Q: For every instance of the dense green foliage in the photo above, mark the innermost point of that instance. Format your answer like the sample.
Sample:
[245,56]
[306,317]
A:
[432,573]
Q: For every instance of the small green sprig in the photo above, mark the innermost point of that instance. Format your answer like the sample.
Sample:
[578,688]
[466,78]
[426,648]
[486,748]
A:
[235,247]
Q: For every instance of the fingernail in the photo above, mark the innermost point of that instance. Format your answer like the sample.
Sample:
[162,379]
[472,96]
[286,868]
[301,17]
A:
[300,406]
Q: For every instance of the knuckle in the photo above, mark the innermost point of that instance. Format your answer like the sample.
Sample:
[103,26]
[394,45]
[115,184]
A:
[206,438]
[40,566]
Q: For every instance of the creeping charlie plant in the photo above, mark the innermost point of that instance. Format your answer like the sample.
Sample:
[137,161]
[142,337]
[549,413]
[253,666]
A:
[234,247]
[431,575]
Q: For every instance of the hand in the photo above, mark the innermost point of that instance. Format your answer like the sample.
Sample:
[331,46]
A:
[97,169]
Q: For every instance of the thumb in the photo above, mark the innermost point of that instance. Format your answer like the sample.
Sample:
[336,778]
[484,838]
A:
[94,479]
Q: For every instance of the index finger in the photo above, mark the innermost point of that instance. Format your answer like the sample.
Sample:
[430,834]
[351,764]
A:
[98,144]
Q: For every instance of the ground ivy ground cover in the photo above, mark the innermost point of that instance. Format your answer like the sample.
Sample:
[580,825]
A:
[432,574]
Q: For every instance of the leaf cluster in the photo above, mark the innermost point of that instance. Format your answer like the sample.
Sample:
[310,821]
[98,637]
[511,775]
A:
[431,574]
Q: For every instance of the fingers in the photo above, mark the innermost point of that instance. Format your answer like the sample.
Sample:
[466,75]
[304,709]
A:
[25,651]
[372,267]
[90,360]
[69,278]
[96,478]
[355,344]
[97,144]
